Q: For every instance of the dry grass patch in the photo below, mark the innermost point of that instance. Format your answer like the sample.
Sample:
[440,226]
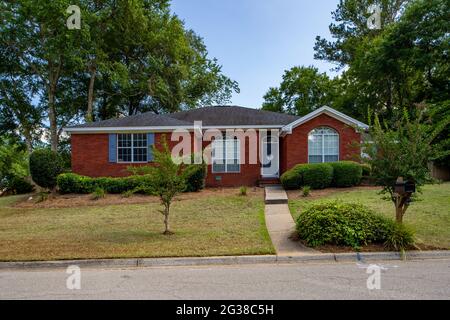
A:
[213,222]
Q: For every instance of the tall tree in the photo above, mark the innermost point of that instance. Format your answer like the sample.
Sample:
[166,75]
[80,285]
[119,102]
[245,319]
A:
[349,28]
[396,67]
[128,57]
[35,34]
[302,90]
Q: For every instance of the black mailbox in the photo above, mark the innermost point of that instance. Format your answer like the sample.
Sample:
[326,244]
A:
[405,187]
[410,187]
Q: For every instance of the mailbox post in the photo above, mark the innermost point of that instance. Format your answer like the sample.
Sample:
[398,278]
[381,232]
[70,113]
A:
[403,191]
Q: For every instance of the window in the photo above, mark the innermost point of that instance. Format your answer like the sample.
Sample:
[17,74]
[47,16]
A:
[132,147]
[226,155]
[323,145]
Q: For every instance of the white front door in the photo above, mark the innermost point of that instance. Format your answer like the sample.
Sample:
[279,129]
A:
[270,155]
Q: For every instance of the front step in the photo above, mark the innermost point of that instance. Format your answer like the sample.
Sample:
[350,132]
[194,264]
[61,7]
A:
[275,195]
[268,182]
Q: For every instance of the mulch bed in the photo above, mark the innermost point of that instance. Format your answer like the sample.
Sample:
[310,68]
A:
[82,200]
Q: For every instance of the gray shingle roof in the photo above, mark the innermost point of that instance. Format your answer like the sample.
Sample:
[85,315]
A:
[234,116]
[147,119]
[210,116]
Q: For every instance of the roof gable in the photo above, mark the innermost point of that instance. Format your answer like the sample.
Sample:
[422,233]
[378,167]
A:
[328,111]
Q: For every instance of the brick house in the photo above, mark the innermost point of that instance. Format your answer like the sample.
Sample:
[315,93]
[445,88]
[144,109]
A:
[280,141]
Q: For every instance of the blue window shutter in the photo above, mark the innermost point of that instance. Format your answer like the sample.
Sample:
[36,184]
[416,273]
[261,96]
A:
[150,143]
[113,147]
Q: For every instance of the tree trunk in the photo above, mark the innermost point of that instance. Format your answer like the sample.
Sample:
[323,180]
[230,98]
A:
[52,119]
[401,205]
[28,141]
[90,107]
[166,220]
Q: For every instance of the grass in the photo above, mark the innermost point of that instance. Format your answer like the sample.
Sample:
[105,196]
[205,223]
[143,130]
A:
[204,226]
[429,216]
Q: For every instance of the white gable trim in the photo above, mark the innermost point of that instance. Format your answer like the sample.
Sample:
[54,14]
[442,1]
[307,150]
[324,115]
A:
[328,111]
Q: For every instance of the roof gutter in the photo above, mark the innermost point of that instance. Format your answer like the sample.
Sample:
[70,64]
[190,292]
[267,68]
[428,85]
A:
[160,129]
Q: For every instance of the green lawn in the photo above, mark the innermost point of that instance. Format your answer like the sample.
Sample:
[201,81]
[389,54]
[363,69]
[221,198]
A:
[222,224]
[429,216]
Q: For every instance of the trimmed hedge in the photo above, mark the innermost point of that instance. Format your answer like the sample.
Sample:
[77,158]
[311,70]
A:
[346,173]
[74,183]
[45,166]
[323,175]
[291,180]
[349,224]
[317,176]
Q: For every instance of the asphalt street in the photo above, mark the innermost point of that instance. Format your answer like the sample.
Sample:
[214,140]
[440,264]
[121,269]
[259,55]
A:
[428,279]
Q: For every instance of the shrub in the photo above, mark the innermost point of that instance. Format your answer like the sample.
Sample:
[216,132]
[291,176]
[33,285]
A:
[349,224]
[291,180]
[18,185]
[346,174]
[98,193]
[317,176]
[45,166]
[195,175]
[306,190]
[73,183]
[399,237]
[366,170]
[243,191]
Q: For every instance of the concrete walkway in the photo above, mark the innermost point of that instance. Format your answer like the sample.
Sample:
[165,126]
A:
[280,224]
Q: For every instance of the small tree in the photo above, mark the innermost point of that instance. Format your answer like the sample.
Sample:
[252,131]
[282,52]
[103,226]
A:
[168,180]
[401,153]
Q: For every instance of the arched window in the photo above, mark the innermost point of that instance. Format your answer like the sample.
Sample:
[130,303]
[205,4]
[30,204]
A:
[323,145]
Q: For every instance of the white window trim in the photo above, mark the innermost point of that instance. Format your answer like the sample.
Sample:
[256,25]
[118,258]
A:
[132,148]
[323,144]
[213,157]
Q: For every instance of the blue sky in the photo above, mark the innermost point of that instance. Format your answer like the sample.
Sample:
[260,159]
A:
[256,40]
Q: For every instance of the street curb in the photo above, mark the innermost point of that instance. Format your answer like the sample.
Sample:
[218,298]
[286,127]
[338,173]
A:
[226,260]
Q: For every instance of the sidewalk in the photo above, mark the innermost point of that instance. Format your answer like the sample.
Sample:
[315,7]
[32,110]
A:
[280,224]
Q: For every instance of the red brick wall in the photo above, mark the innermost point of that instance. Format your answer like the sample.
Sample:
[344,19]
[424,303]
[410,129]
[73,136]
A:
[90,158]
[249,175]
[295,146]
[90,154]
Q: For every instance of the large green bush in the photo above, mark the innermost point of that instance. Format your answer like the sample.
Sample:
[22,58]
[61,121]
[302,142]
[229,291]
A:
[349,224]
[346,174]
[291,179]
[195,175]
[318,175]
[74,183]
[19,185]
[45,166]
